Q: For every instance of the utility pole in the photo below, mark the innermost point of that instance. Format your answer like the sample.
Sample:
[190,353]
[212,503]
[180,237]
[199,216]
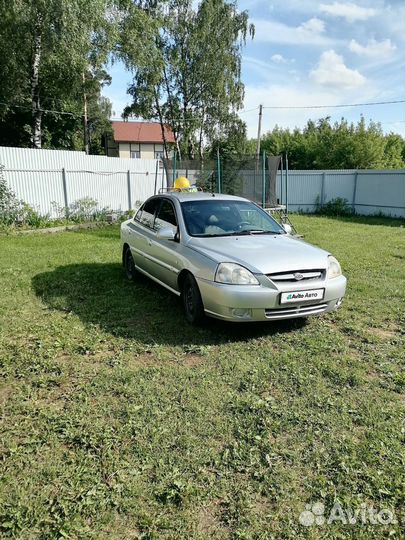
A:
[259,132]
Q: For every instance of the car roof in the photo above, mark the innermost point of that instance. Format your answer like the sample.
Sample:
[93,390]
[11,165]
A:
[199,196]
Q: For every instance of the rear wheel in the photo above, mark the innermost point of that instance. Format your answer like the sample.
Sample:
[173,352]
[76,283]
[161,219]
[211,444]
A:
[192,302]
[129,264]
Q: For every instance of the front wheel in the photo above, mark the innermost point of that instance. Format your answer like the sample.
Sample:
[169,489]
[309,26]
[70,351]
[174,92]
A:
[129,264]
[192,302]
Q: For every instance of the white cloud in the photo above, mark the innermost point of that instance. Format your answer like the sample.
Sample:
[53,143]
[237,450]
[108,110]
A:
[313,26]
[373,48]
[275,32]
[278,59]
[332,71]
[285,95]
[289,94]
[351,12]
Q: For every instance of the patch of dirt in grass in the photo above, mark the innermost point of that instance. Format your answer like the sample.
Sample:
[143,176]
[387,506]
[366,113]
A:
[5,394]
[120,527]
[96,359]
[264,506]
[51,403]
[192,360]
[63,359]
[145,360]
[384,333]
[373,376]
[209,522]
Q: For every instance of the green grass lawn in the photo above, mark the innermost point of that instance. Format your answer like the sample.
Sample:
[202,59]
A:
[121,421]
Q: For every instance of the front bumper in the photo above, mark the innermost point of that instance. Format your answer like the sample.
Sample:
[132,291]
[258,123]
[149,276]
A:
[244,303]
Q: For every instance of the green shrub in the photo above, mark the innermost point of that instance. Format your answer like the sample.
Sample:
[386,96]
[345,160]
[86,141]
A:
[17,213]
[31,218]
[86,209]
[334,207]
[10,206]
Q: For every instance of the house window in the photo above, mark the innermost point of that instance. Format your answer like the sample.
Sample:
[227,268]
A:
[135,151]
[159,154]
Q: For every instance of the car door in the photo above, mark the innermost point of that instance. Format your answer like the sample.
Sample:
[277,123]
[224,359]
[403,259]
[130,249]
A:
[142,232]
[165,253]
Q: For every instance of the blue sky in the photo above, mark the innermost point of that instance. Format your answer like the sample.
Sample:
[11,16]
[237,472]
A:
[311,53]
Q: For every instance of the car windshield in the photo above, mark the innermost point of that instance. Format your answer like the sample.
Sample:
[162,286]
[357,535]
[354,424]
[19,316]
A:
[209,218]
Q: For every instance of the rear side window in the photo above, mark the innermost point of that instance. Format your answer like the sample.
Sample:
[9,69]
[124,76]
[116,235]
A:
[146,215]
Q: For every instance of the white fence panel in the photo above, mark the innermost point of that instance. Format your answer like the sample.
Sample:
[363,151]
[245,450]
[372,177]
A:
[367,191]
[108,189]
[380,191]
[339,184]
[40,189]
[37,177]
[47,179]
[304,187]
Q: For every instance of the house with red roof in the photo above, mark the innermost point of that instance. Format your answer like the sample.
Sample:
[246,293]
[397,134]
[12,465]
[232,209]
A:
[142,140]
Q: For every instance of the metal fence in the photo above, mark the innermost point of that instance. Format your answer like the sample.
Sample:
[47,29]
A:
[368,192]
[245,176]
[52,179]
[44,177]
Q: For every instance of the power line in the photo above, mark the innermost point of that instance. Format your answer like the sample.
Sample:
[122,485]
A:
[68,113]
[394,122]
[336,106]
[249,110]
[75,114]
[27,108]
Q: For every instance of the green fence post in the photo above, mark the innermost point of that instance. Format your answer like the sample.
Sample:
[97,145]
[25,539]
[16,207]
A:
[174,167]
[264,179]
[219,171]
[286,183]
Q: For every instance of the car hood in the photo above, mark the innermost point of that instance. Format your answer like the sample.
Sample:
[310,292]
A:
[264,254]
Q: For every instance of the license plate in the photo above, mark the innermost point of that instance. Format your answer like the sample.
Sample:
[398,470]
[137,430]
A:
[301,296]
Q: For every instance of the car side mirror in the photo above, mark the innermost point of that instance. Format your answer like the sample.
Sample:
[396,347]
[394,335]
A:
[287,228]
[167,233]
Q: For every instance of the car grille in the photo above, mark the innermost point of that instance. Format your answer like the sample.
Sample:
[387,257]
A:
[295,311]
[295,276]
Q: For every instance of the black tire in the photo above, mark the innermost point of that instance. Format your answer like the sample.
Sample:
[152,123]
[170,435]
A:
[192,303]
[129,265]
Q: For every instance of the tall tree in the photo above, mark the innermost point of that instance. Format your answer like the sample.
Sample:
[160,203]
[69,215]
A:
[192,79]
[342,145]
[47,49]
[232,143]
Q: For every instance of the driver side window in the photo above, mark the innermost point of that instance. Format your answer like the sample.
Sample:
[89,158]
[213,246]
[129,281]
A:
[166,216]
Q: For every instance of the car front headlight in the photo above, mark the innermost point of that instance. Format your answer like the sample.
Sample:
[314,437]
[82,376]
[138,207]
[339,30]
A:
[234,274]
[334,269]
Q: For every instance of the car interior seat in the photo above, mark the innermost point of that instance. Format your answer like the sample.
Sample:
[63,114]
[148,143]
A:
[196,224]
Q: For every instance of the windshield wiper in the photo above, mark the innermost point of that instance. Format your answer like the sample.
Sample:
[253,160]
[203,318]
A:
[266,232]
[207,235]
[253,232]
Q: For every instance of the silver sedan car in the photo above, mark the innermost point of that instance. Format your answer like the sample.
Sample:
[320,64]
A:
[227,258]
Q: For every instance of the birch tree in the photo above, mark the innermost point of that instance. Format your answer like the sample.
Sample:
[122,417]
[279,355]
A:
[192,79]
[47,49]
